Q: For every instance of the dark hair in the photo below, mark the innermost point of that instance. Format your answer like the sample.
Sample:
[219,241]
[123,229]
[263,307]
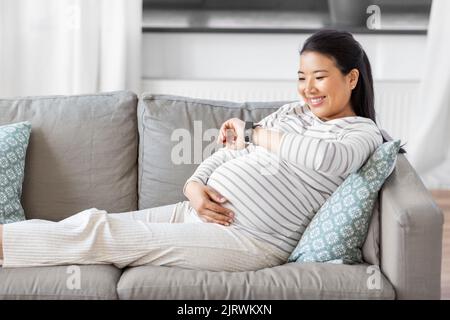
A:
[348,54]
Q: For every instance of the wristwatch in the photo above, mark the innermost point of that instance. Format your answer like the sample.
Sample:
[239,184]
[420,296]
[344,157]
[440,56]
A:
[248,131]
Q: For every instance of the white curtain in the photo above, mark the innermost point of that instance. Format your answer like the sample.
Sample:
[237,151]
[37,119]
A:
[429,150]
[69,46]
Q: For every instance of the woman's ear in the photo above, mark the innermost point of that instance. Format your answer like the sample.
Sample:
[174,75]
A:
[353,76]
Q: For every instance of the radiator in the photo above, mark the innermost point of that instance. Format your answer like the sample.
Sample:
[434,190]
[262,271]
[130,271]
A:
[395,101]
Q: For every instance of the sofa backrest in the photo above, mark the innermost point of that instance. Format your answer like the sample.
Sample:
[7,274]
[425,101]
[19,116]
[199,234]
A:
[82,152]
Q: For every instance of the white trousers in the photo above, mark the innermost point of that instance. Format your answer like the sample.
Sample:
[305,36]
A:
[172,235]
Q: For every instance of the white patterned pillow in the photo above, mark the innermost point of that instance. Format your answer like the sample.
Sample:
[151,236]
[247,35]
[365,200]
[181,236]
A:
[13,147]
[337,232]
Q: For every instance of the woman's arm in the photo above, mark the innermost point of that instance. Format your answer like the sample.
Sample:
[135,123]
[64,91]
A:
[207,202]
[266,138]
[336,157]
[235,126]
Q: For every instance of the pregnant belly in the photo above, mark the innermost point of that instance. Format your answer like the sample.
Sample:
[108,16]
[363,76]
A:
[263,193]
[232,180]
[245,195]
[232,196]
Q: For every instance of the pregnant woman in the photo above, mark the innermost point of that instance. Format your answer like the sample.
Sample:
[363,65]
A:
[250,201]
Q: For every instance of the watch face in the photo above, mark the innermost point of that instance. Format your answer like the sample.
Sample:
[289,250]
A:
[248,125]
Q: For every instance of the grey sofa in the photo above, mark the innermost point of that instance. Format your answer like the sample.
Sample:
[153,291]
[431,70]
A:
[112,151]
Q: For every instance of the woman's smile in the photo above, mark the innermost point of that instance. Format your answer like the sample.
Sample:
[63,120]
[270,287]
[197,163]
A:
[316,101]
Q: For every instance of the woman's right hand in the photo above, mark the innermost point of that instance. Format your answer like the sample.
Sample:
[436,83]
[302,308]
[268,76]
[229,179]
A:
[231,132]
[206,201]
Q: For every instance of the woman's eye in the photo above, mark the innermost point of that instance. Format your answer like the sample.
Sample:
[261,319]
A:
[301,79]
[319,78]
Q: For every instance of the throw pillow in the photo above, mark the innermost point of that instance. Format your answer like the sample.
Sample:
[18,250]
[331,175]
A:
[338,230]
[13,146]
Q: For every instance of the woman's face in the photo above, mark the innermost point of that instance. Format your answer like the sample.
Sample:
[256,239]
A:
[323,86]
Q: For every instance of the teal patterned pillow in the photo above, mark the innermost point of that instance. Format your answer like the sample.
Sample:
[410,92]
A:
[338,230]
[13,147]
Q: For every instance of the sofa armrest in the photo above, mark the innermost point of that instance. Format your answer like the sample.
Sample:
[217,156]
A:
[411,235]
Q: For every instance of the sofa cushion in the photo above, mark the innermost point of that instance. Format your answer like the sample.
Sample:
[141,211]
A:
[338,230]
[82,152]
[61,282]
[13,148]
[289,281]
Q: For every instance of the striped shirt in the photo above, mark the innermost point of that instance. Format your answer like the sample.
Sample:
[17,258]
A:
[274,195]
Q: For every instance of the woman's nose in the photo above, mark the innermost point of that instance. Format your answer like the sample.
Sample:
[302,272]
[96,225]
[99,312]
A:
[310,88]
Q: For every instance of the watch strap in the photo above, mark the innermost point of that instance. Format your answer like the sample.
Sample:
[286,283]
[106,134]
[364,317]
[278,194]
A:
[248,130]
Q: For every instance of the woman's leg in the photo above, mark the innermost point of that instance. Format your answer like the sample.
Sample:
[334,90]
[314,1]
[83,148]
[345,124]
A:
[156,214]
[96,237]
[180,212]
[172,213]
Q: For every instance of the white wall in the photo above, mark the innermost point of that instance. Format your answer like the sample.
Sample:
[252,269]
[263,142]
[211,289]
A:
[263,67]
[221,56]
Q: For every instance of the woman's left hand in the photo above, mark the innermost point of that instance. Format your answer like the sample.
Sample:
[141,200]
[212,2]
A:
[232,129]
